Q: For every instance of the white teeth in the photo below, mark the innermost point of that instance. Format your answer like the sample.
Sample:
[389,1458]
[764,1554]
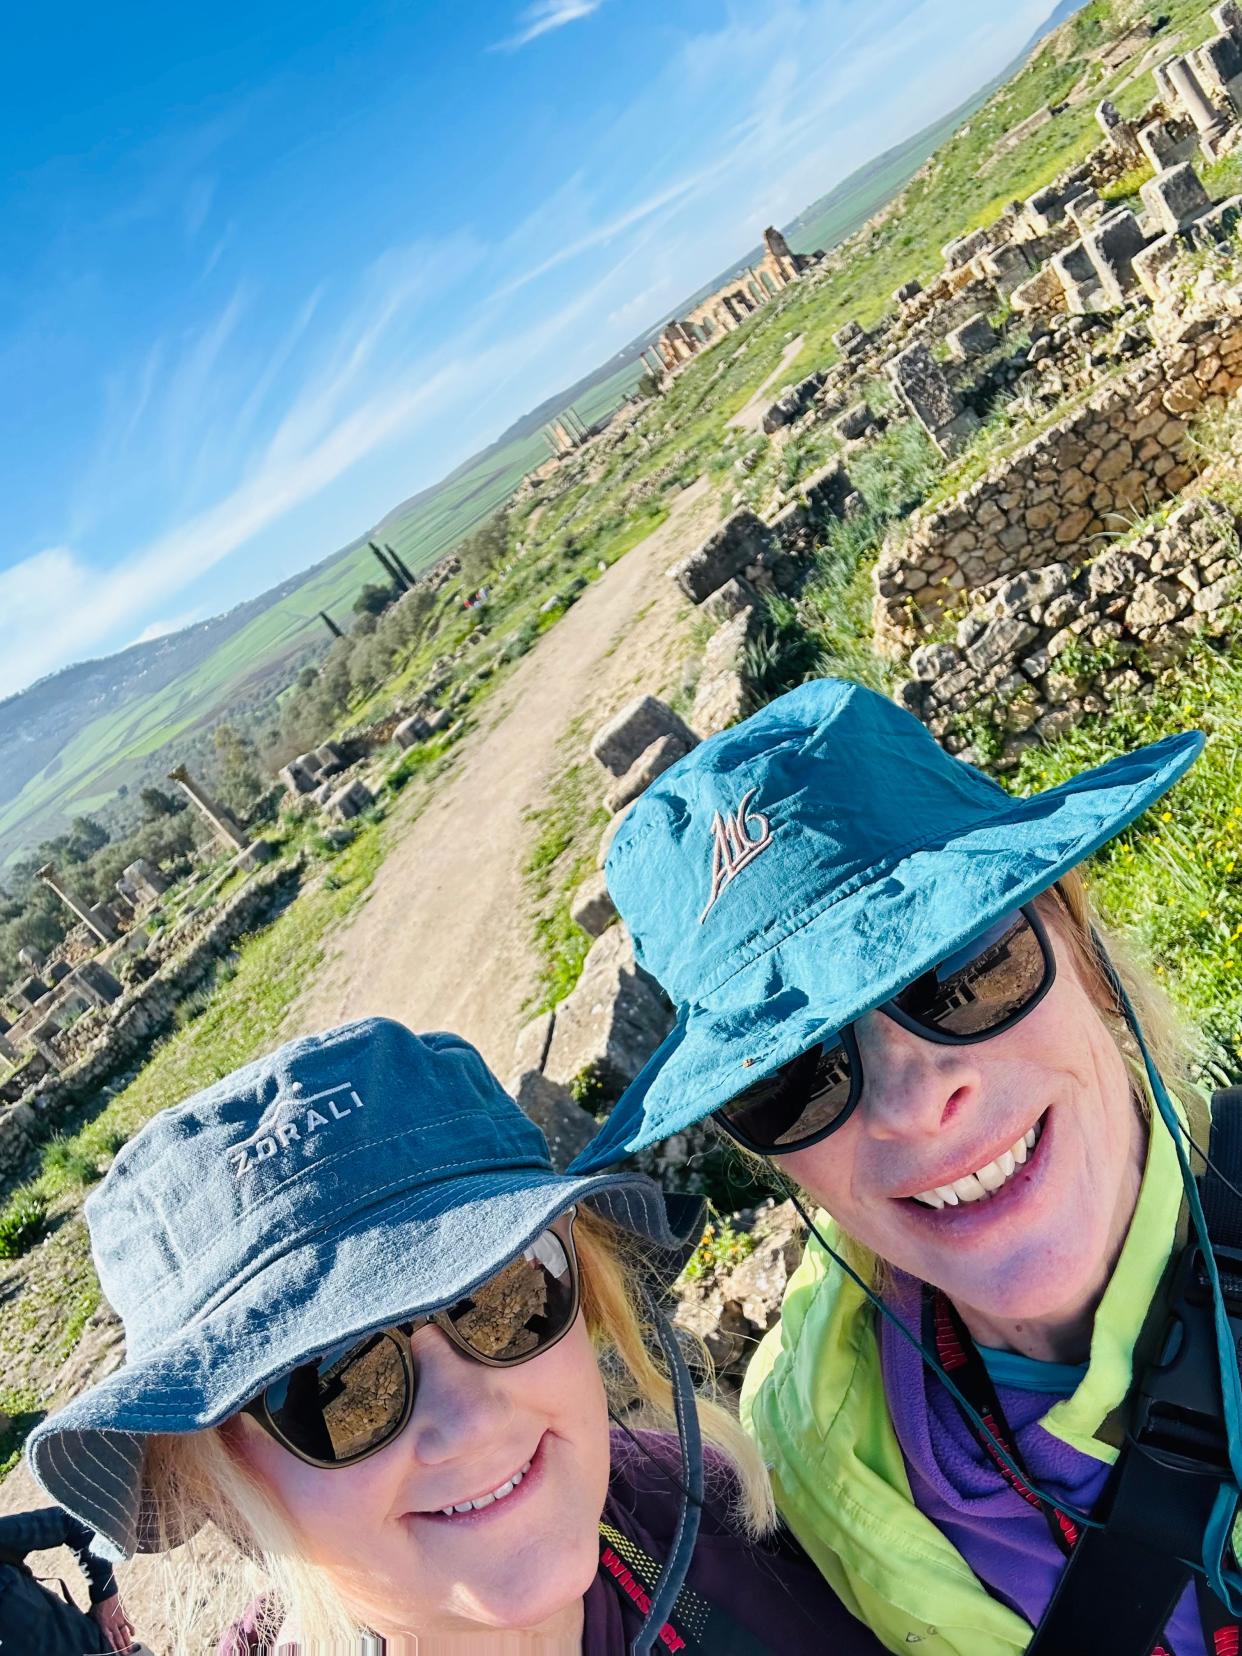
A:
[975,1186]
[487,1500]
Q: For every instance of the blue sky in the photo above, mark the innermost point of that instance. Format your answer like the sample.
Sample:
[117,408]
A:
[268,270]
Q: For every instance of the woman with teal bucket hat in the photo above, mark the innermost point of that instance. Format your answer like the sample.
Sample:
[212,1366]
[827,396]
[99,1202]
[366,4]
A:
[1002,1407]
[376,1339]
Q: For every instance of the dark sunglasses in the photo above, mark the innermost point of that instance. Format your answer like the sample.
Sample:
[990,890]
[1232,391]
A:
[979,992]
[348,1403]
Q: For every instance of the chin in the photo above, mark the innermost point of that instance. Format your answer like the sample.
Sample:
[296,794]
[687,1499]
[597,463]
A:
[517,1606]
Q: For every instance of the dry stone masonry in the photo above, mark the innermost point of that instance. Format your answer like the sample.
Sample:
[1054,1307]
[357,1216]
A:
[1039,649]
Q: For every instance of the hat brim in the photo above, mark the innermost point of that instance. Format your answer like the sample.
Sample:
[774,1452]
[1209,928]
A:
[413,1254]
[853,954]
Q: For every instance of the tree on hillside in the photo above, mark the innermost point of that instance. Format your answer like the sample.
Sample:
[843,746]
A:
[483,551]
[156,803]
[86,836]
[239,774]
[374,599]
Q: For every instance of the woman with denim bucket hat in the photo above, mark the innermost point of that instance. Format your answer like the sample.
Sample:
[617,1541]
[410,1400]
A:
[1002,1408]
[367,1328]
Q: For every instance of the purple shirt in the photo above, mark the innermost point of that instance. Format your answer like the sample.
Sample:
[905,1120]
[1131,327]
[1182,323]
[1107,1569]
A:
[1005,1541]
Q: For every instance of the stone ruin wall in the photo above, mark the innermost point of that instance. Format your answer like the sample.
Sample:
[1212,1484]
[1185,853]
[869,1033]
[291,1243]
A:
[1101,466]
[1039,649]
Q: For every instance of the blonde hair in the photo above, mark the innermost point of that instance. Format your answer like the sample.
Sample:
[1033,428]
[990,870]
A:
[198,1477]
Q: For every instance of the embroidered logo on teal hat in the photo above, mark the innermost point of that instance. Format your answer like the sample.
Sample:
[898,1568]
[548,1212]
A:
[800,868]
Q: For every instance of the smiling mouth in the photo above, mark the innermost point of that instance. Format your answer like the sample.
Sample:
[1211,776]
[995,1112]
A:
[985,1181]
[487,1501]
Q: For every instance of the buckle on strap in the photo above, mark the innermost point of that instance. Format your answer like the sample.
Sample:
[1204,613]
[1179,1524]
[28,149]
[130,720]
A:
[1176,1457]
[1179,1418]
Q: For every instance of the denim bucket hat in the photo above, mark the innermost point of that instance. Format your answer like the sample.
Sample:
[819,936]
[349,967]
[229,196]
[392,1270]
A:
[350,1181]
[800,868]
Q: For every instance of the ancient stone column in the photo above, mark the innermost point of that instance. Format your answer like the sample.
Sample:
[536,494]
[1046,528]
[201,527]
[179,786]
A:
[1210,124]
[96,924]
[220,820]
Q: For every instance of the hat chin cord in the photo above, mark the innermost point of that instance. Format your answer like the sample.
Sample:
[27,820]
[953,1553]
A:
[674,1571]
[1225,1583]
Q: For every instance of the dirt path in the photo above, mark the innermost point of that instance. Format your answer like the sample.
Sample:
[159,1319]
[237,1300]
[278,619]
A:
[443,941]
[750,416]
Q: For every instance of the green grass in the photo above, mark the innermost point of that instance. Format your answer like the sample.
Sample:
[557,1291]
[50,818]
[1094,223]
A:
[22,1221]
[568,826]
[1172,883]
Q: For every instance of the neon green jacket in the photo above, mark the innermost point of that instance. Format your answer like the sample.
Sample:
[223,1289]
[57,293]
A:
[814,1400]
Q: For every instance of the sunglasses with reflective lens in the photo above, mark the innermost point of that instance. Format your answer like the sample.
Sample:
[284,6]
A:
[350,1402]
[979,992]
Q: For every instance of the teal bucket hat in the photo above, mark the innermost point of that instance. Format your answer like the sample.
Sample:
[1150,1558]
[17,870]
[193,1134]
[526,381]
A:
[348,1181]
[799,869]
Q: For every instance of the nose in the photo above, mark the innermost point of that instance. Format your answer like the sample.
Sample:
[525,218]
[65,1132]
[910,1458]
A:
[460,1405]
[912,1088]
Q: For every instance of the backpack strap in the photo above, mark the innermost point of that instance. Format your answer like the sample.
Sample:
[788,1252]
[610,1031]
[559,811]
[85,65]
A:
[1222,1207]
[1122,1581]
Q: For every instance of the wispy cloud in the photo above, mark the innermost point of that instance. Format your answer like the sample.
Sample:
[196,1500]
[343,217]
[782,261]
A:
[543,17]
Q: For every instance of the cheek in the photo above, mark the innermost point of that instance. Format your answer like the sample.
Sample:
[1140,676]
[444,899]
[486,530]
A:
[328,1508]
[827,1171]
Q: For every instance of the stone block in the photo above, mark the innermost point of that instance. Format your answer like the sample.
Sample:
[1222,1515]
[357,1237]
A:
[1164,146]
[147,880]
[924,387]
[1006,268]
[411,730]
[609,834]
[592,907]
[827,493]
[1077,276]
[1111,245]
[95,983]
[907,292]
[350,801]
[298,778]
[720,702]
[1155,604]
[534,1038]
[1083,207]
[1044,210]
[854,423]
[653,761]
[1040,294]
[737,594]
[851,340]
[739,541]
[1175,198]
[975,337]
[1152,263]
[331,759]
[27,994]
[611,1022]
[1228,18]
[632,731]
[1217,224]
[1005,640]
[567,1126]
